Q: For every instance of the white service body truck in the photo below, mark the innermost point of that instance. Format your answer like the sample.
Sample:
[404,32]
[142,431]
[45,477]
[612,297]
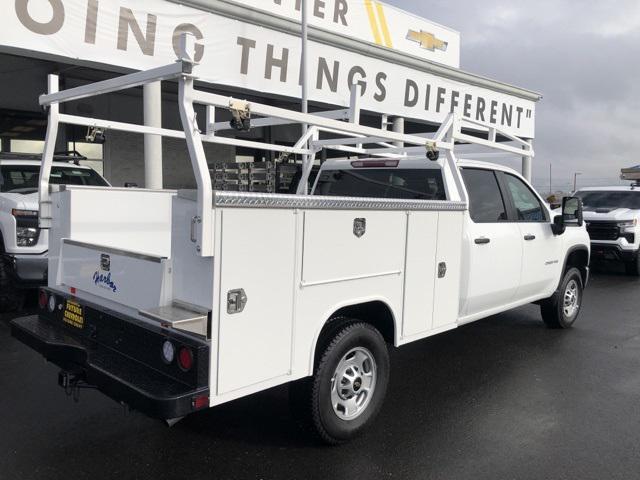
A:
[612,215]
[173,302]
[23,246]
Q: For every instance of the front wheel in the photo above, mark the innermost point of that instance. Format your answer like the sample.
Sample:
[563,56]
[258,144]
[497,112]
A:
[633,267]
[11,298]
[348,387]
[562,309]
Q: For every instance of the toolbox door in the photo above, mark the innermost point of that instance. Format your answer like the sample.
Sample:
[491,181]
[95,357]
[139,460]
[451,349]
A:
[256,296]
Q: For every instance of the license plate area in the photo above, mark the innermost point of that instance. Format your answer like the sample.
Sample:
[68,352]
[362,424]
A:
[73,314]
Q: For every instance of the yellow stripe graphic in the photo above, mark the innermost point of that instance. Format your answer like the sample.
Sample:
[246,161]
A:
[385,26]
[373,22]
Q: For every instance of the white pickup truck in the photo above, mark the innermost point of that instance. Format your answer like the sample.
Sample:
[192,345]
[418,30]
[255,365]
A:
[174,302]
[612,215]
[23,246]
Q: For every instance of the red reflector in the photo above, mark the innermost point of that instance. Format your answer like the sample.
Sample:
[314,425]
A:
[43,299]
[201,402]
[185,359]
[375,163]
[72,290]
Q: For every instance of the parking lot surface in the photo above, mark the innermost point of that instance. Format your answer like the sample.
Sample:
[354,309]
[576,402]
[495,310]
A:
[504,398]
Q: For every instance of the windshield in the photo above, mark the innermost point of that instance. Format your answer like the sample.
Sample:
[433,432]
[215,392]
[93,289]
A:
[611,199]
[417,184]
[24,178]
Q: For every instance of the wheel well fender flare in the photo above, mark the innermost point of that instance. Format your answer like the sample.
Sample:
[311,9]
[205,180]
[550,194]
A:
[577,256]
[383,318]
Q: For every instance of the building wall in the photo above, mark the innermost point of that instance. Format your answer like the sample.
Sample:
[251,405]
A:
[124,160]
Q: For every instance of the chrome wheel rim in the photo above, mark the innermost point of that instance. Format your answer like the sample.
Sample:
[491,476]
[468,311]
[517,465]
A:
[571,299]
[353,383]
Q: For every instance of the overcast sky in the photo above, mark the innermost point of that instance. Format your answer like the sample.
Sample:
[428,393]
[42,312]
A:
[584,57]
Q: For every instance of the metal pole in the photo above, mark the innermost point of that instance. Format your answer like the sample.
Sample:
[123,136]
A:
[398,127]
[152,99]
[304,79]
[304,60]
[526,165]
[575,180]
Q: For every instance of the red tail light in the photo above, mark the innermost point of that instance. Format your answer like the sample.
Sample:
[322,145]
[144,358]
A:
[185,359]
[43,299]
[200,402]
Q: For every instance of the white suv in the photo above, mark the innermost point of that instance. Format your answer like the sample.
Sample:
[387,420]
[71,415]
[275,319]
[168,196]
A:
[613,222]
[23,246]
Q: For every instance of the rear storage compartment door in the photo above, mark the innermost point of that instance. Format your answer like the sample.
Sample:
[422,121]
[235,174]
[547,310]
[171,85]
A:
[257,257]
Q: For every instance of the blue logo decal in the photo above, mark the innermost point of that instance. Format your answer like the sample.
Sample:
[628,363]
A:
[104,281]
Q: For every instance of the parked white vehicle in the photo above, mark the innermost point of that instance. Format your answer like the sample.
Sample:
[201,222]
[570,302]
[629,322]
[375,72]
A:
[173,302]
[612,215]
[23,246]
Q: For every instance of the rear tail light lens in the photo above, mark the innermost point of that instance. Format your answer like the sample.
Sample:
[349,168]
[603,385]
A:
[200,402]
[185,358]
[43,299]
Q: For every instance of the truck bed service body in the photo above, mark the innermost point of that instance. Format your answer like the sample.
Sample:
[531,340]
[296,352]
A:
[178,301]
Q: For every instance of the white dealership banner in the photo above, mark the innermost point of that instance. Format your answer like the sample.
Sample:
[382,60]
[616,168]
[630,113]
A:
[373,22]
[142,34]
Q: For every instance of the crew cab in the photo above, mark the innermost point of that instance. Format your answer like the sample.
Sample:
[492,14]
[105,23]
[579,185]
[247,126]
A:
[174,302]
[23,246]
[612,215]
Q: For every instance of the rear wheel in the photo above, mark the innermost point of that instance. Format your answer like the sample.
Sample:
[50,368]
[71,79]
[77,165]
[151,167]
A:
[563,308]
[11,297]
[348,387]
[633,267]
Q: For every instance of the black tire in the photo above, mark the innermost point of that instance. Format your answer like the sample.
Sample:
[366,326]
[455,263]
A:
[11,297]
[633,268]
[553,310]
[311,398]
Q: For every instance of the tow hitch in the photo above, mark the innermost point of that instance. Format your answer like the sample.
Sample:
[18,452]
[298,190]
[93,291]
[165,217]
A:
[73,382]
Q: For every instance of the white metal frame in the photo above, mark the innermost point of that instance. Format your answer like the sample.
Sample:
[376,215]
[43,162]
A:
[352,137]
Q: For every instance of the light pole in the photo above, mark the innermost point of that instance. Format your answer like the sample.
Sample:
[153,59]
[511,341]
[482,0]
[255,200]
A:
[575,180]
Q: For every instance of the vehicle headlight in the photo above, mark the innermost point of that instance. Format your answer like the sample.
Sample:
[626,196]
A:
[628,224]
[27,231]
[27,236]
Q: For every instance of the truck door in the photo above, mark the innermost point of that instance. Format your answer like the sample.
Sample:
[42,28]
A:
[494,246]
[541,248]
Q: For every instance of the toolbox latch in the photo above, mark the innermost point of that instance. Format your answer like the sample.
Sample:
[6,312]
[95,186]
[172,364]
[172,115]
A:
[236,301]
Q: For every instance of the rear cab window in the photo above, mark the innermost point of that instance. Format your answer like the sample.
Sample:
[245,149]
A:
[24,178]
[486,204]
[392,183]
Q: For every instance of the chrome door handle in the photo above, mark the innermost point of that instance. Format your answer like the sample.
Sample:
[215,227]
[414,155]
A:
[482,241]
[529,238]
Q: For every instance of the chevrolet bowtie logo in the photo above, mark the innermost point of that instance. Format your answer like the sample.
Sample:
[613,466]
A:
[427,40]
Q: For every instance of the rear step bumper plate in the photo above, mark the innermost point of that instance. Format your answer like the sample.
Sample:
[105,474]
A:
[118,376]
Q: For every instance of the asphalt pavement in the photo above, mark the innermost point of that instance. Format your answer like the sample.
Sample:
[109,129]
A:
[504,398]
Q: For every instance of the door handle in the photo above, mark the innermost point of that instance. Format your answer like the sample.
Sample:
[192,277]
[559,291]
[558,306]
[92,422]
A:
[529,238]
[482,241]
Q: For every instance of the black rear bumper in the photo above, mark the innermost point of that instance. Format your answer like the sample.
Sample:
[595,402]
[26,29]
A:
[118,374]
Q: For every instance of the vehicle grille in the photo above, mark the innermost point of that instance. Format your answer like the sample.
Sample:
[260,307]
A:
[603,230]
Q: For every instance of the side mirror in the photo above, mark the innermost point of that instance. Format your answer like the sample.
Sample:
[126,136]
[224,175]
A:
[571,215]
[572,211]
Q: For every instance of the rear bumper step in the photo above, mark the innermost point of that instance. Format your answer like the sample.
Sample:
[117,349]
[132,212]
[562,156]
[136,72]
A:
[124,379]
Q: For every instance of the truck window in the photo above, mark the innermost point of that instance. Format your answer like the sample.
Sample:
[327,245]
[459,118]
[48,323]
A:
[527,205]
[486,204]
[24,178]
[610,199]
[414,184]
